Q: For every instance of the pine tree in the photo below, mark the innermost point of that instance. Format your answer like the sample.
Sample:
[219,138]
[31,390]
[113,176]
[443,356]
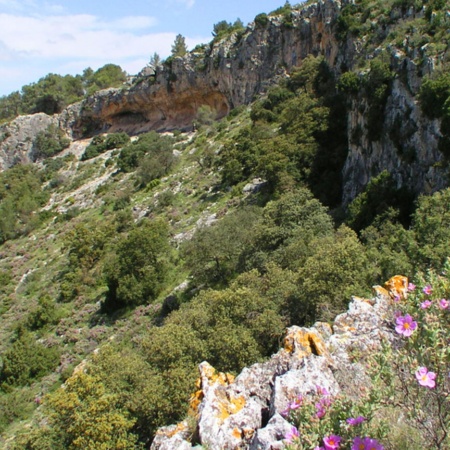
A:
[179,47]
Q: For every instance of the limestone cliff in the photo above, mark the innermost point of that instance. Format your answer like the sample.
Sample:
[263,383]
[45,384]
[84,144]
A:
[234,70]
[246,412]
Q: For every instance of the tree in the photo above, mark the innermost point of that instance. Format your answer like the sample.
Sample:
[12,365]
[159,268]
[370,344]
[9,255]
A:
[137,273]
[287,230]
[221,28]
[84,415]
[211,255]
[110,75]
[337,268]
[431,228]
[179,47]
[49,142]
[155,60]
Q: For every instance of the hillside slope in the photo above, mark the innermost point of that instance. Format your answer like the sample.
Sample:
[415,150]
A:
[297,162]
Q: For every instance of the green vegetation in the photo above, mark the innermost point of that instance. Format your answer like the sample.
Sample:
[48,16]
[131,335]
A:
[21,195]
[26,360]
[224,29]
[151,153]
[162,261]
[49,142]
[137,272]
[52,93]
[179,47]
[101,144]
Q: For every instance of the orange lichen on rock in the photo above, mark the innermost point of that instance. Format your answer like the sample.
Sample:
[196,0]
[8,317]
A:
[209,375]
[381,291]
[237,433]
[229,405]
[207,371]
[182,426]
[397,286]
[194,402]
[304,342]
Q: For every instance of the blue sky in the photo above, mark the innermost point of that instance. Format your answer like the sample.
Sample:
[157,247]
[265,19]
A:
[38,37]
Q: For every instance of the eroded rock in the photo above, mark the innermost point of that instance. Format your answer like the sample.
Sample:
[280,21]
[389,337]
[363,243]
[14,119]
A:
[246,412]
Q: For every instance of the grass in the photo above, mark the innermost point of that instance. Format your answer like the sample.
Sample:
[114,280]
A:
[187,194]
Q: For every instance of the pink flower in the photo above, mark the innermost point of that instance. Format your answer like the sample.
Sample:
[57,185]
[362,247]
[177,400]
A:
[321,390]
[411,287]
[356,421]
[319,448]
[366,443]
[426,378]
[332,442]
[443,303]
[397,298]
[405,325]
[296,403]
[320,411]
[291,435]
[426,304]
[321,406]
[427,290]
[358,444]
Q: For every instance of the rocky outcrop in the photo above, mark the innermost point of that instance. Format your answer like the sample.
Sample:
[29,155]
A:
[229,73]
[17,137]
[407,147]
[234,70]
[223,75]
[246,412]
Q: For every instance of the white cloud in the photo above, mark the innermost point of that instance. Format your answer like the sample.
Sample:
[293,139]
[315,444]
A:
[58,43]
[77,36]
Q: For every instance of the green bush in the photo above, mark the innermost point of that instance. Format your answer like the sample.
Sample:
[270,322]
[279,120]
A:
[336,268]
[378,196]
[21,195]
[26,360]
[49,142]
[85,415]
[137,273]
[156,150]
[101,144]
[349,83]
[286,231]
[261,20]
[211,256]
[378,87]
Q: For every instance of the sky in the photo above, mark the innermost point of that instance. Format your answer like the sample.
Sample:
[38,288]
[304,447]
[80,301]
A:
[38,37]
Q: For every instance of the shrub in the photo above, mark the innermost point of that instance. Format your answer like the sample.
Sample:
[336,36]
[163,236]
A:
[211,256]
[261,20]
[49,142]
[378,85]
[85,415]
[336,268]
[349,83]
[27,360]
[379,194]
[21,195]
[413,372]
[137,273]
[159,150]
[101,144]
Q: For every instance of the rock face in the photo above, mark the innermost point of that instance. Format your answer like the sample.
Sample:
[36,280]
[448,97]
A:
[16,138]
[233,71]
[407,148]
[230,73]
[246,412]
